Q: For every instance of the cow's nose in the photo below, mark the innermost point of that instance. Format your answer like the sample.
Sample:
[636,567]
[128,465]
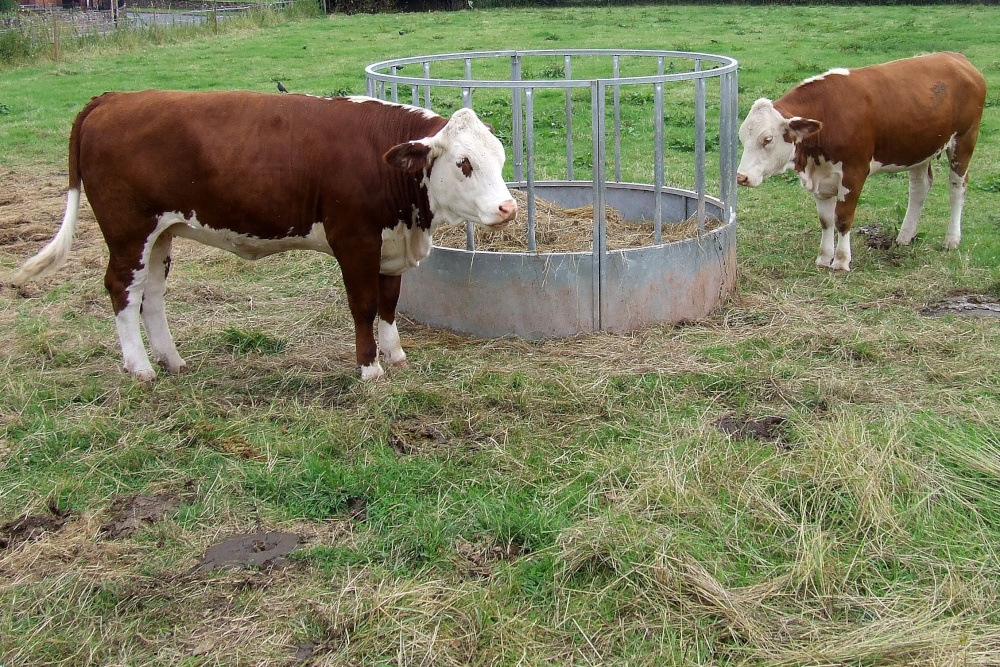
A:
[742,179]
[508,210]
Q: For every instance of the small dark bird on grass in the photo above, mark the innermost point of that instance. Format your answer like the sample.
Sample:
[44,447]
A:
[281,89]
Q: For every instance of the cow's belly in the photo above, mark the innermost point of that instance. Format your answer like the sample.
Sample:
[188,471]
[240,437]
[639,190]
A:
[403,248]
[246,246]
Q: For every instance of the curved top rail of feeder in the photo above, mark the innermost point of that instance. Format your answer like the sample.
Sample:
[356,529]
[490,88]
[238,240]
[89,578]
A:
[377,71]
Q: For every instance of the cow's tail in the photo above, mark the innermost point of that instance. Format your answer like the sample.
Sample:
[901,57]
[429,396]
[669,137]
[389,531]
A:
[54,255]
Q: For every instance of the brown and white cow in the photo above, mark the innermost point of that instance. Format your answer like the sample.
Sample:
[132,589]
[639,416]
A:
[256,174]
[837,128]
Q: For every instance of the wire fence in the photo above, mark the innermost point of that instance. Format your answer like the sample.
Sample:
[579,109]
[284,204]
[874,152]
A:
[47,24]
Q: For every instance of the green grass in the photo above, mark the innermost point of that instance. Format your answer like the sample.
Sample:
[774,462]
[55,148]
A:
[505,502]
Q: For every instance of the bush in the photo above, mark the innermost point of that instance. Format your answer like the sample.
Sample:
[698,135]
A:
[15,46]
[7,6]
[380,6]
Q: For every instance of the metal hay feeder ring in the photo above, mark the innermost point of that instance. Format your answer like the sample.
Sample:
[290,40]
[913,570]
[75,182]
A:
[537,294]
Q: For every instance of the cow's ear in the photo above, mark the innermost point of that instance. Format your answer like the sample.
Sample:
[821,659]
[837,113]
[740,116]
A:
[411,157]
[801,128]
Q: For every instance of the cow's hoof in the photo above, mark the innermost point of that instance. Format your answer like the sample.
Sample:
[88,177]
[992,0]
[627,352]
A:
[823,263]
[398,361]
[951,244]
[904,240]
[145,376]
[178,367]
[372,372]
[841,267]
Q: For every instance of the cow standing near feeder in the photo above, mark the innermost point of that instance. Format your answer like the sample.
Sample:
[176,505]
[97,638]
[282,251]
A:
[256,174]
[837,128]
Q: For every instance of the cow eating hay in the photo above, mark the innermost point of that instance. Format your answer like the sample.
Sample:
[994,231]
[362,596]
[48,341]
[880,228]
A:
[357,178]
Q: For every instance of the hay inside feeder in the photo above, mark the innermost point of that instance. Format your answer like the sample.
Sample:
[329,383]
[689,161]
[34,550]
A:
[559,229]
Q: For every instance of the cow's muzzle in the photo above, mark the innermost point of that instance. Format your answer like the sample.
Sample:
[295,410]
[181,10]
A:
[508,211]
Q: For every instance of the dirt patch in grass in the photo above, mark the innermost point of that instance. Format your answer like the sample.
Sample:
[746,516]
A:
[31,527]
[263,551]
[130,514]
[972,305]
[765,429]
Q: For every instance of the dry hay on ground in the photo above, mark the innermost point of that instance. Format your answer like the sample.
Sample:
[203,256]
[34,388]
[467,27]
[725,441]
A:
[559,229]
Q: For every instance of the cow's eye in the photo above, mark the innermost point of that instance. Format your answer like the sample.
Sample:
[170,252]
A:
[766,141]
[466,166]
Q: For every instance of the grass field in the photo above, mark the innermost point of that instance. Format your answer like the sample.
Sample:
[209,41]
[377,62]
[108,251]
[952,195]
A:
[810,476]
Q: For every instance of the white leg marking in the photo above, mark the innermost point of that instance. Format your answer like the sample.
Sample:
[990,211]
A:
[827,214]
[388,343]
[372,372]
[957,189]
[134,357]
[842,258]
[154,314]
[920,183]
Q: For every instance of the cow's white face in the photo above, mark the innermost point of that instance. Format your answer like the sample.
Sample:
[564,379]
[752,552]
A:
[769,140]
[463,164]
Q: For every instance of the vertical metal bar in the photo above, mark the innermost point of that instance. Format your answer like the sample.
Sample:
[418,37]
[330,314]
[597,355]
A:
[370,87]
[618,120]
[427,88]
[658,159]
[394,88]
[733,139]
[415,90]
[529,121]
[466,97]
[725,153]
[516,111]
[381,90]
[699,145]
[598,129]
[568,72]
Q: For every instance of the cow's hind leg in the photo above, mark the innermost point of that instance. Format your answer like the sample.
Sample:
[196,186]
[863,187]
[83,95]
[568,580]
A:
[154,313]
[959,156]
[920,183]
[388,334]
[125,280]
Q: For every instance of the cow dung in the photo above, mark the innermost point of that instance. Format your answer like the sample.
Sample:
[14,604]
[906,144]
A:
[264,551]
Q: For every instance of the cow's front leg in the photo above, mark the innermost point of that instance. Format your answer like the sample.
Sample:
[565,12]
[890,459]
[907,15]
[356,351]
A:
[827,208]
[388,334]
[844,219]
[359,267]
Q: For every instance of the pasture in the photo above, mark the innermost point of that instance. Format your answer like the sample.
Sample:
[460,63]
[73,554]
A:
[810,476]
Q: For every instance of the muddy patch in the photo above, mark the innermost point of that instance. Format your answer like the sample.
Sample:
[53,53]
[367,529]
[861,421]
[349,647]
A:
[31,527]
[131,514]
[971,305]
[765,429]
[263,551]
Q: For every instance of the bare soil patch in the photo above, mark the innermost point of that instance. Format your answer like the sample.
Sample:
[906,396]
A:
[130,514]
[765,429]
[31,527]
[263,551]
